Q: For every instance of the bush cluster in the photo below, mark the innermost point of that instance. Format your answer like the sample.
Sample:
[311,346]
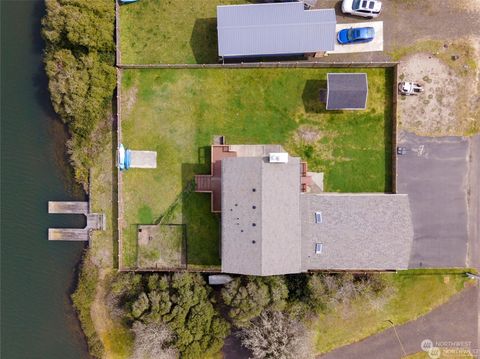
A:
[248,297]
[182,302]
[269,311]
[79,62]
[82,299]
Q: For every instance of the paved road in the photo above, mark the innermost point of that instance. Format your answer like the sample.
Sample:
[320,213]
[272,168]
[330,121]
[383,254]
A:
[455,321]
[434,173]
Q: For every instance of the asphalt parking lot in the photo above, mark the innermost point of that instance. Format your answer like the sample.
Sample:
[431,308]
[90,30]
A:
[434,175]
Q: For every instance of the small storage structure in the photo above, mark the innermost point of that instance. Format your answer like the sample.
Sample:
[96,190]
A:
[347,91]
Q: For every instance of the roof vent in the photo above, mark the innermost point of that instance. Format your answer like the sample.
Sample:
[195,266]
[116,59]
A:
[318,248]
[318,217]
[278,157]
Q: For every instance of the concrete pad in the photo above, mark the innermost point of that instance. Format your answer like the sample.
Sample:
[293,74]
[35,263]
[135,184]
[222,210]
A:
[375,45]
[317,181]
[143,159]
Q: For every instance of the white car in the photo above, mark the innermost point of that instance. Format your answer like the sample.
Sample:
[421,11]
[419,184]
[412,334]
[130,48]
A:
[364,8]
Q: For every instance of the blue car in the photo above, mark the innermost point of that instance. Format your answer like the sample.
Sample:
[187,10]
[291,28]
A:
[352,36]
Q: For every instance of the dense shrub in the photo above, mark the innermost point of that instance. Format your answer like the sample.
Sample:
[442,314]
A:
[79,59]
[329,290]
[247,297]
[300,295]
[83,298]
[181,302]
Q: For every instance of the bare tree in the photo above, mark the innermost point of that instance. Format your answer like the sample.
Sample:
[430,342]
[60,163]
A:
[275,335]
[153,341]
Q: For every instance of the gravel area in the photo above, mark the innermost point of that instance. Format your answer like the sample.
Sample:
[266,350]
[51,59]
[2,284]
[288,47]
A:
[432,112]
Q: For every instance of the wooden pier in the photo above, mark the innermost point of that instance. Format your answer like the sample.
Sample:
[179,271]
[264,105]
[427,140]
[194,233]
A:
[95,221]
[68,234]
[67,207]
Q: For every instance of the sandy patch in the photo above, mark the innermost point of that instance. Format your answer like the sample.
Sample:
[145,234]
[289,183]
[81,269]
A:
[445,108]
[472,6]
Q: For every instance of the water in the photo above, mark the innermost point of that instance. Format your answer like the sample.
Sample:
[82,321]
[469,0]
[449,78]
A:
[37,319]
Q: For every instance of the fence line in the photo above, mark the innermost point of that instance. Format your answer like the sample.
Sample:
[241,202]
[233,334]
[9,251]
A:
[277,64]
[394,129]
[119,173]
[172,269]
[118,58]
[120,67]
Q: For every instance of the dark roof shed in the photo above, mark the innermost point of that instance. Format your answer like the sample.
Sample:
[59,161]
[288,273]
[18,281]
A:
[347,91]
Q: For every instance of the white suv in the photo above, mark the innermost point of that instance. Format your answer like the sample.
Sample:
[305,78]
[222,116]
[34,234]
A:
[364,8]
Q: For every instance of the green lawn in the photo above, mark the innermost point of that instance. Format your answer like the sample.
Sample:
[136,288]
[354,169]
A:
[417,293]
[177,112]
[170,31]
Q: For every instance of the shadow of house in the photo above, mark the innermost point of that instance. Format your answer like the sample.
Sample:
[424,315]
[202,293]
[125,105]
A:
[389,131]
[314,96]
[197,217]
[204,41]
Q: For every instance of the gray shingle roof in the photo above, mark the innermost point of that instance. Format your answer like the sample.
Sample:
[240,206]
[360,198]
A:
[358,231]
[264,240]
[347,91]
[274,29]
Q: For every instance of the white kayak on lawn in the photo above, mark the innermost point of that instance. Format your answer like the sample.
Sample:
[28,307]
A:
[121,157]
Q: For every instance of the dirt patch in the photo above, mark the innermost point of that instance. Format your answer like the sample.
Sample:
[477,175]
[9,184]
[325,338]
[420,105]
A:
[446,106]
[308,134]
[308,141]
[129,98]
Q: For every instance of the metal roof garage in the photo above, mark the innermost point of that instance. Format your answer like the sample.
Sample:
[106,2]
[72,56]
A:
[274,29]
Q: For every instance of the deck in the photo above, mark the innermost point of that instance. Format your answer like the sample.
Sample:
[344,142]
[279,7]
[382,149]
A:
[212,183]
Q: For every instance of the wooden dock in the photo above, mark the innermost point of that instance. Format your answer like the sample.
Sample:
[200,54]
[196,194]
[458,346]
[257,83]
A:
[68,234]
[95,221]
[67,207]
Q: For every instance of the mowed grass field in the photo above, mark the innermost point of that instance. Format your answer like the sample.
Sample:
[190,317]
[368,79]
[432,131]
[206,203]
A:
[170,31]
[176,112]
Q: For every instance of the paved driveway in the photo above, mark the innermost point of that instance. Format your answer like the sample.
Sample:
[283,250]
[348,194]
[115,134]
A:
[434,175]
[375,45]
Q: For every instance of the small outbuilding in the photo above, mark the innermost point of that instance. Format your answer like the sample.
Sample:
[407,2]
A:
[347,91]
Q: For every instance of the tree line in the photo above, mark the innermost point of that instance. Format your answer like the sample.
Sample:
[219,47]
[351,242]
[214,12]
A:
[179,315]
[79,62]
